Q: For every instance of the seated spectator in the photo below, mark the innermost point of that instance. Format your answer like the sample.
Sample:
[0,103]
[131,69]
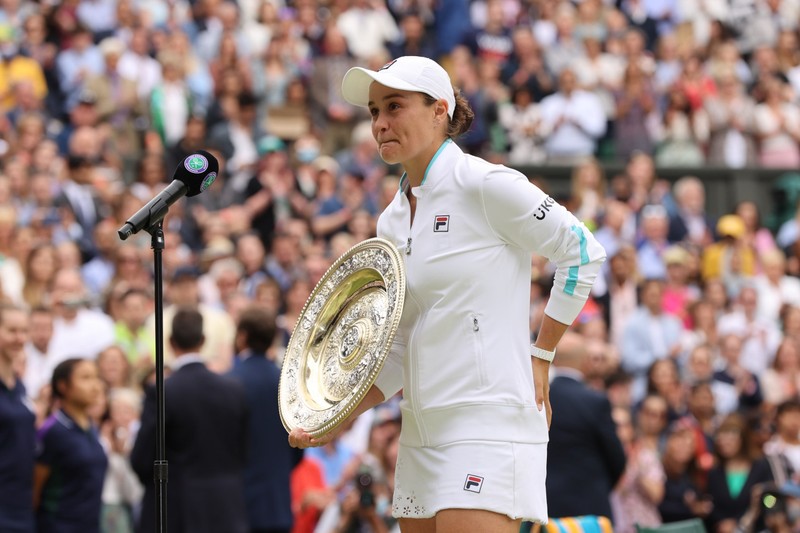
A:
[678,293]
[774,286]
[663,379]
[729,258]
[654,224]
[690,221]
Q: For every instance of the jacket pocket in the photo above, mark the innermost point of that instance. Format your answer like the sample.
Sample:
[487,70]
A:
[477,349]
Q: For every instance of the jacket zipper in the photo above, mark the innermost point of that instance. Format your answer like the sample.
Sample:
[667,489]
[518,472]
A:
[408,246]
[478,346]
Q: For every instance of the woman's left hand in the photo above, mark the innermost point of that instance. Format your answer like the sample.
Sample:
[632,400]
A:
[541,384]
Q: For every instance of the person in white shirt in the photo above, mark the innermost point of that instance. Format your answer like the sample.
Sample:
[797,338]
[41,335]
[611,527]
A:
[476,404]
[576,119]
[774,287]
[760,337]
[38,365]
[77,329]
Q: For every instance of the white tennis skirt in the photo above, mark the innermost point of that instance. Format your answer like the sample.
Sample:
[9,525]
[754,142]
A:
[502,477]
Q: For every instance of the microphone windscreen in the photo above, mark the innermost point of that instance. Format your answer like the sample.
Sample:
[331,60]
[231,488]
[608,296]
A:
[197,171]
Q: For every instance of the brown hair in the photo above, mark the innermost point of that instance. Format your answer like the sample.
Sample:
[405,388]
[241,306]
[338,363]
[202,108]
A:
[463,115]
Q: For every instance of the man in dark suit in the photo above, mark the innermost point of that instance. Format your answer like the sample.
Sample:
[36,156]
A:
[585,458]
[267,474]
[206,438]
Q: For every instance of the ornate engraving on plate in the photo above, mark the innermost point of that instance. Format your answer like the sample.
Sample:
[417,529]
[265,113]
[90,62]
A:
[342,337]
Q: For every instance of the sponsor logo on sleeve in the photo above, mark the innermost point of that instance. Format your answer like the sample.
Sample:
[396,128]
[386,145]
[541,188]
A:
[544,208]
[473,483]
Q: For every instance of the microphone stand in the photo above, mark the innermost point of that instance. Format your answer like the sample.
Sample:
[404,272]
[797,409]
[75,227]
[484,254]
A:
[160,470]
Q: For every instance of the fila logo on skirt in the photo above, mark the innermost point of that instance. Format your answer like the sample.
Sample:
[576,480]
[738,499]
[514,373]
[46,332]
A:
[473,483]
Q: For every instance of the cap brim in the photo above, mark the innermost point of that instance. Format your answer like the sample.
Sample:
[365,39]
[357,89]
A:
[355,85]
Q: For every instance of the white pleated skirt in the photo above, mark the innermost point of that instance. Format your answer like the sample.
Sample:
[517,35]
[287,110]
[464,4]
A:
[502,477]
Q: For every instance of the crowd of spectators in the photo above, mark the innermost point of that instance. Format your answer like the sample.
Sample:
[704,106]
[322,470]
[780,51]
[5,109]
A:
[693,330]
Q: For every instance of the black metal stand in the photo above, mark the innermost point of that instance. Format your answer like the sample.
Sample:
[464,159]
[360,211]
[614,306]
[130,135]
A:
[160,470]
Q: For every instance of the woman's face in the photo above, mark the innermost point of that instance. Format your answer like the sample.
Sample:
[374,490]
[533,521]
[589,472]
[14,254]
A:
[43,265]
[652,416]
[788,358]
[84,386]
[402,124]
[728,442]
[681,446]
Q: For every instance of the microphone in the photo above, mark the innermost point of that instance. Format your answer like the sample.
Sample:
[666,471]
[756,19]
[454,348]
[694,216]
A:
[194,175]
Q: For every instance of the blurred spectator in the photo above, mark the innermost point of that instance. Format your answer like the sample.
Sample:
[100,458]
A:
[683,498]
[587,192]
[137,65]
[635,499]
[683,133]
[115,370]
[330,113]
[77,63]
[760,337]
[781,381]
[170,101]
[206,440]
[679,293]
[130,329]
[729,258]
[777,125]
[736,387]
[267,472]
[738,468]
[182,291]
[17,433]
[663,378]
[731,114]
[690,223]
[38,351]
[99,271]
[40,269]
[367,25]
[566,46]
[579,482]
[78,328]
[649,335]
[122,491]
[71,463]
[413,39]
[117,102]
[758,237]
[786,439]
[774,287]
[634,126]
[15,69]
[620,298]
[575,118]
[654,224]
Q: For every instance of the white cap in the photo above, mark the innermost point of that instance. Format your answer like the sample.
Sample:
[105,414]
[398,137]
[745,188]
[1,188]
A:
[407,73]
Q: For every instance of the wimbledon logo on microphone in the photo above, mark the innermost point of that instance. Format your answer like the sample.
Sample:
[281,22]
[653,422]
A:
[196,164]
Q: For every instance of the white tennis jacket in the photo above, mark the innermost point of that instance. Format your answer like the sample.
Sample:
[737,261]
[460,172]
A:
[462,350]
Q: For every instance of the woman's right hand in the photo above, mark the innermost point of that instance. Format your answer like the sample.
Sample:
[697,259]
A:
[300,438]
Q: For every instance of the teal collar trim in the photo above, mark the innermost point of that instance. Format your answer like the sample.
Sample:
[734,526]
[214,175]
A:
[404,177]
[433,159]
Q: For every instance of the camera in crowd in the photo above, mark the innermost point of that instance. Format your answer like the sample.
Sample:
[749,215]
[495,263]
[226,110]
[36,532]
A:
[364,483]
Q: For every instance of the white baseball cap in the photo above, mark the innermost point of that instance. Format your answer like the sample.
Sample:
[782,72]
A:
[407,73]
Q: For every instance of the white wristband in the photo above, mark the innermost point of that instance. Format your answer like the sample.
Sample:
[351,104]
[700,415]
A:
[540,353]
